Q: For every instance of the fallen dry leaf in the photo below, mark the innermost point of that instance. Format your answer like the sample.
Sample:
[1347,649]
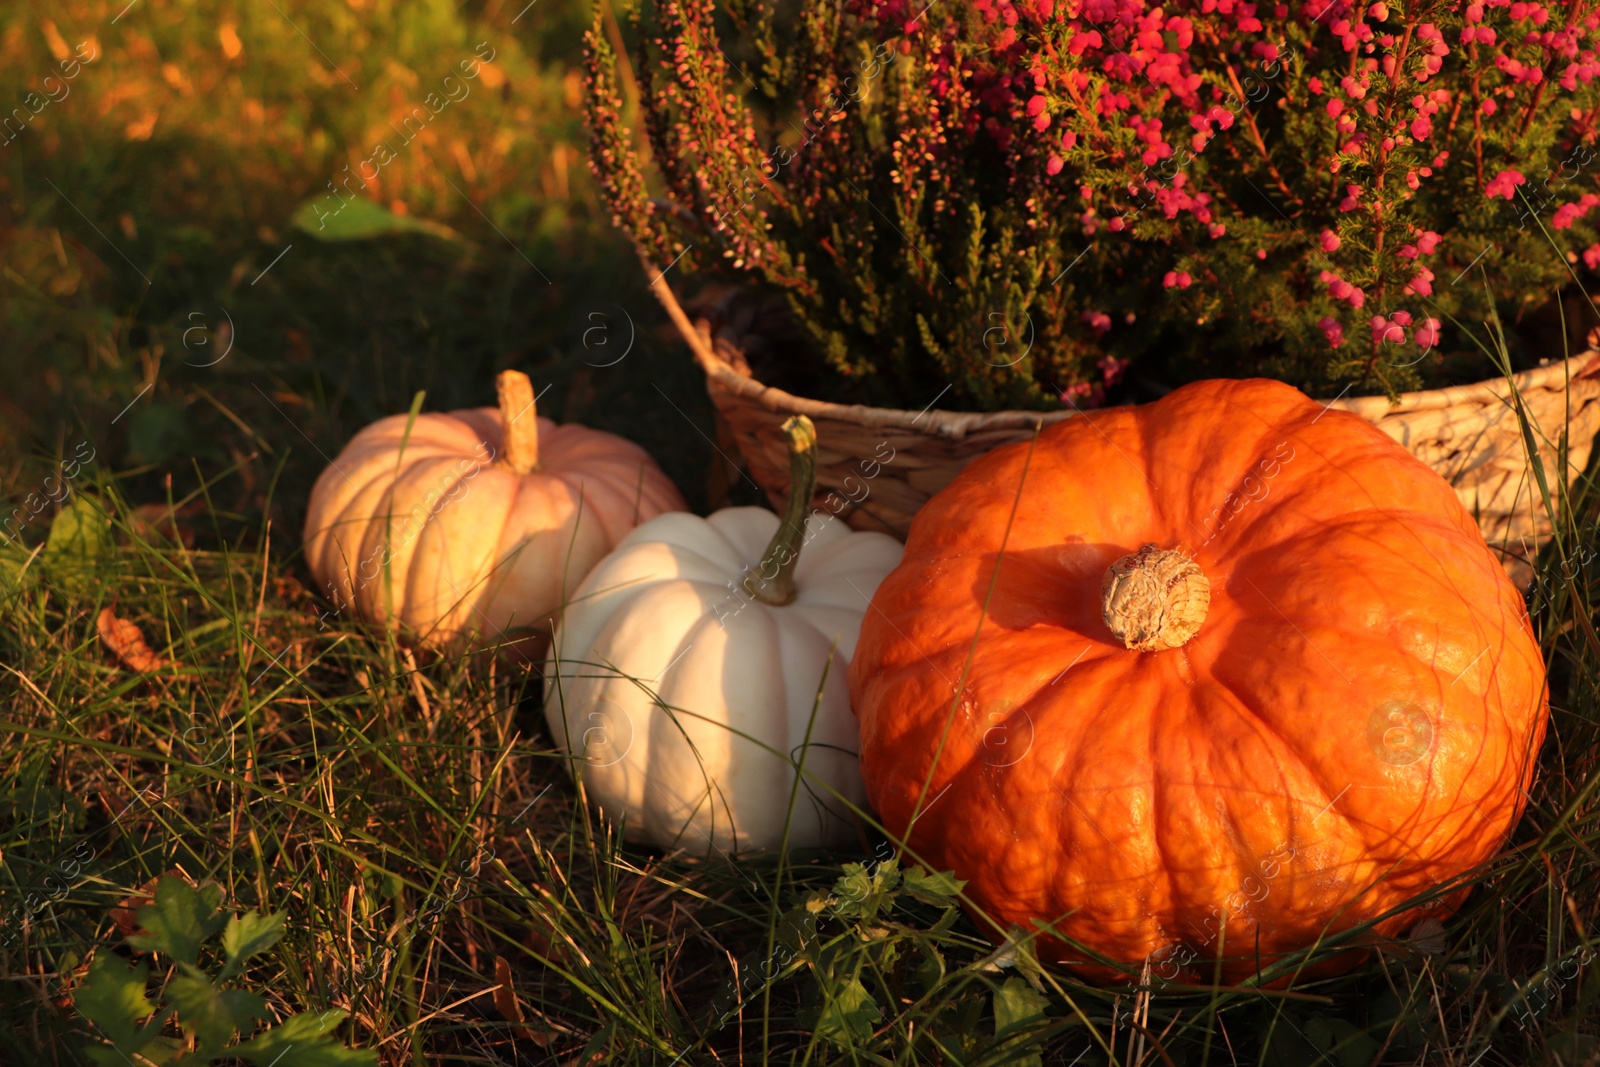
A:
[127,641]
[150,519]
[506,1002]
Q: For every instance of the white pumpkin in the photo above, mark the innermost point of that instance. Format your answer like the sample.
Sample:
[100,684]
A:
[667,622]
[445,526]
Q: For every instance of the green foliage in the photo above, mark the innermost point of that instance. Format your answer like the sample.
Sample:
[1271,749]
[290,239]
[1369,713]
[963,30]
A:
[178,925]
[947,199]
[360,219]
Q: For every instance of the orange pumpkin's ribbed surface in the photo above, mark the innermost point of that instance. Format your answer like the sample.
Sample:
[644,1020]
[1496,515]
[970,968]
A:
[1354,721]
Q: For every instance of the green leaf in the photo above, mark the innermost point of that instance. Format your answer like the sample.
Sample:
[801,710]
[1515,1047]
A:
[159,430]
[112,997]
[13,558]
[304,1041]
[181,919]
[848,1016]
[159,1050]
[80,537]
[860,895]
[1017,1009]
[330,218]
[249,935]
[940,888]
[1352,1045]
[203,1012]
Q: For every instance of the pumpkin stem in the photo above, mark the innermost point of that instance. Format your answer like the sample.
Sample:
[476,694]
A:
[1154,599]
[773,582]
[520,419]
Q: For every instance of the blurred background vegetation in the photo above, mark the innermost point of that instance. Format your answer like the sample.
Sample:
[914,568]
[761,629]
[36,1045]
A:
[180,333]
[148,226]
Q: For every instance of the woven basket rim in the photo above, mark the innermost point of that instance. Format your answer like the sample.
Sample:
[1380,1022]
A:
[958,424]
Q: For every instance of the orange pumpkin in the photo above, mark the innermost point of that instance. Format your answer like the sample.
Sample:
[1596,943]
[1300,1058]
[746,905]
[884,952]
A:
[1205,680]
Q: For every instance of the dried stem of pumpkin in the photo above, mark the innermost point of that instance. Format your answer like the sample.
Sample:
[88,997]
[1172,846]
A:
[773,581]
[520,419]
[1154,599]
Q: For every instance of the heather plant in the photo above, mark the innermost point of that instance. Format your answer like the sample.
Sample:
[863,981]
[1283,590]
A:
[1025,199]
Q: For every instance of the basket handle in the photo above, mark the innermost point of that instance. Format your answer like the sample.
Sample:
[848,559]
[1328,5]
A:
[704,355]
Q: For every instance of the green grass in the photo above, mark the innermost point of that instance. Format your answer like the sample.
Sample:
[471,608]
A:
[408,817]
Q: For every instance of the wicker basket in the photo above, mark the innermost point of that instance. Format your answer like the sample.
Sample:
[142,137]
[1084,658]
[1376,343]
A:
[1468,433]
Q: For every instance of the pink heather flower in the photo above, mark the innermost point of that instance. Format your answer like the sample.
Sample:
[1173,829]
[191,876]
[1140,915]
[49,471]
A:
[1504,184]
[1378,12]
[1261,253]
[1567,214]
[1332,329]
[1036,105]
[1421,127]
[1098,321]
[1315,85]
[1092,396]
[1427,334]
[1217,230]
[1177,279]
[1591,257]
[1068,139]
[1330,241]
[1053,165]
[1385,331]
[1409,252]
[1427,241]
[1041,121]
[1422,284]
[1401,317]
[1489,106]
[1340,289]
[1111,369]
[1412,181]
[1357,298]
[1335,107]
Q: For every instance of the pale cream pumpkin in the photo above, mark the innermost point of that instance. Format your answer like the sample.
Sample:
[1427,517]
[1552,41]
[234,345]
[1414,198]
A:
[450,529]
[704,663]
